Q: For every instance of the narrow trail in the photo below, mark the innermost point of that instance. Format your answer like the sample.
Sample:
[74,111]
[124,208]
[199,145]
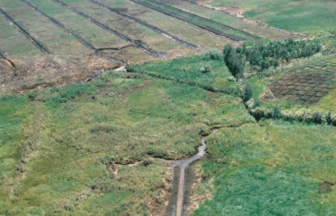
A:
[182,165]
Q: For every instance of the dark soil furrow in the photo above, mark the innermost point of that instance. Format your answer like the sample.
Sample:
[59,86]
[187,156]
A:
[150,26]
[208,20]
[2,54]
[25,32]
[137,43]
[181,15]
[86,43]
[60,25]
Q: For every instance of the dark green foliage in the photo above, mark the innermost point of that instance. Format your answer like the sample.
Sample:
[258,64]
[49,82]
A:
[212,54]
[328,118]
[233,61]
[276,113]
[256,102]
[248,94]
[263,56]
[147,162]
[317,117]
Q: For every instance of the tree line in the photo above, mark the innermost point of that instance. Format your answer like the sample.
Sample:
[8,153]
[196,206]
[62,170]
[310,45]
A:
[264,56]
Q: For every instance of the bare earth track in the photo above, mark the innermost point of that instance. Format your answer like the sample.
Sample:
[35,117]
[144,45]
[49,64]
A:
[25,32]
[150,26]
[137,43]
[195,20]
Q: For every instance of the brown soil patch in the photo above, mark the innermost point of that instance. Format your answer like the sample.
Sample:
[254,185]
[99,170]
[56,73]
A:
[49,71]
[267,95]
[305,89]
[188,183]
[171,209]
[325,187]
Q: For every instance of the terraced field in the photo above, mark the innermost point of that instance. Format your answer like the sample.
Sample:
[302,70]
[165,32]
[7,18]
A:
[117,32]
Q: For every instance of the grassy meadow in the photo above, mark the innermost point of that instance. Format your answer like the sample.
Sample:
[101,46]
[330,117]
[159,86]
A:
[311,17]
[58,145]
[270,168]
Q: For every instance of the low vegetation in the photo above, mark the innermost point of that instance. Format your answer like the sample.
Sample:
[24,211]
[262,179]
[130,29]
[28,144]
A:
[272,168]
[66,150]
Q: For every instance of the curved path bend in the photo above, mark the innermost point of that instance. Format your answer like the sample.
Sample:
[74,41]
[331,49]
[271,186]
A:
[182,165]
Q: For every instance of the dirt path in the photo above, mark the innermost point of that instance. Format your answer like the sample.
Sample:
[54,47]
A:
[182,165]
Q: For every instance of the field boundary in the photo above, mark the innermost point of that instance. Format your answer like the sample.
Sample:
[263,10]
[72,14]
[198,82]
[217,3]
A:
[265,25]
[137,43]
[148,25]
[24,31]
[183,81]
[194,22]
[83,41]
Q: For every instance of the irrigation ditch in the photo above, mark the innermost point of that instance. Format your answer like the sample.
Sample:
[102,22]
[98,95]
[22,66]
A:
[196,20]
[83,41]
[24,31]
[136,43]
[164,33]
[7,61]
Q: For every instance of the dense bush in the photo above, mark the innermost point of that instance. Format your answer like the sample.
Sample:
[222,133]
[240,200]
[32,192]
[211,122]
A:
[247,93]
[263,56]
[233,61]
[212,54]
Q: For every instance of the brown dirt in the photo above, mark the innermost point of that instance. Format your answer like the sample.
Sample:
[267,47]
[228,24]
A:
[48,71]
[188,183]
[171,209]
[305,88]
[267,95]
[325,187]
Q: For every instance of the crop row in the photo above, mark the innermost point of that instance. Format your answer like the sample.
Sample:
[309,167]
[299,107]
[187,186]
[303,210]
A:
[23,31]
[75,34]
[137,43]
[194,19]
[150,26]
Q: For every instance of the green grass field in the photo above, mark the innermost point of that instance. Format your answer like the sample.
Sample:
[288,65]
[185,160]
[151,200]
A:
[88,148]
[57,144]
[273,168]
[311,17]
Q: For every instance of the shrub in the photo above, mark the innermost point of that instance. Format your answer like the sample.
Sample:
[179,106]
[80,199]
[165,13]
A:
[205,69]
[247,93]
[276,113]
[233,61]
[212,54]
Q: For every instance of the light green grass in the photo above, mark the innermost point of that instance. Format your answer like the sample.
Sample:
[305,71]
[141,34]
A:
[58,144]
[309,17]
[274,168]
[188,69]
